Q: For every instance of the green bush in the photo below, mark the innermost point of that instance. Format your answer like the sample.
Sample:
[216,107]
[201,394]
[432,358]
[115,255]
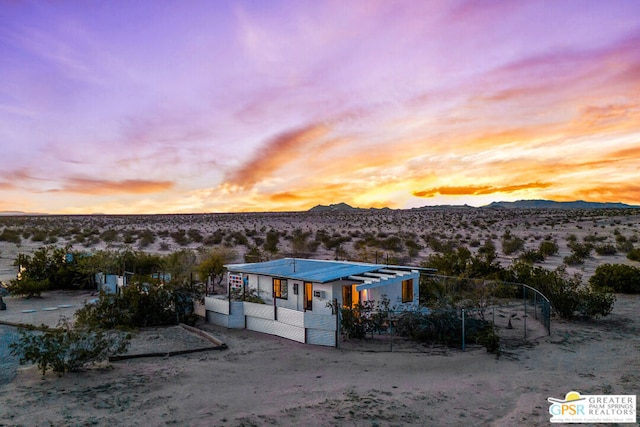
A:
[606,249]
[445,327]
[512,244]
[28,287]
[567,295]
[548,248]
[531,256]
[618,277]
[634,254]
[66,349]
[596,303]
[139,304]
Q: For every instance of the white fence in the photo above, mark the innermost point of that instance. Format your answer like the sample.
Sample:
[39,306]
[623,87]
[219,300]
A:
[304,327]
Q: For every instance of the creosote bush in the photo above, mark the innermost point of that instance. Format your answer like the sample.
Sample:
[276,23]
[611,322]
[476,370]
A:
[617,277]
[68,349]
[445,327]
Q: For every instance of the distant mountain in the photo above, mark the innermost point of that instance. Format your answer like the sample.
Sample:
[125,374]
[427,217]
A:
[550,204]
[20,213]
[341,207]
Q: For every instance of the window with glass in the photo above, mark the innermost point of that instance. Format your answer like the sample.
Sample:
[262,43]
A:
[407,290]
[280,289]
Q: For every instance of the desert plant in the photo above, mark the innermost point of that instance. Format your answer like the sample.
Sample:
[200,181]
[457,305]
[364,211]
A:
[511,244]
[271,242]
[605,249]
[28,287]
[618,277]
[634,254]
[143,302]
[548,248]
[68,349]
[566,293]
[212,264]
[531,256]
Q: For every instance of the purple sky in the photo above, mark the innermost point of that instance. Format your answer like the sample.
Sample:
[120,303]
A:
[162,107]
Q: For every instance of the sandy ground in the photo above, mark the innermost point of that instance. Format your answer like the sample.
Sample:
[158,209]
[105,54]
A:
[460,225]
[266,380]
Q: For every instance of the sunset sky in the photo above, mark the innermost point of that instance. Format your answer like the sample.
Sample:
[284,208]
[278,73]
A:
[223,106]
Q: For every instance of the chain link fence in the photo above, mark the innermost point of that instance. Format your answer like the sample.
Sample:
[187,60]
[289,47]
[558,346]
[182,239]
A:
[515,313]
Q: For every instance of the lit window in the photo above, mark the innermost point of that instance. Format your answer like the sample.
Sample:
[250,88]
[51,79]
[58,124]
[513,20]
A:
[280,289]
[407,290]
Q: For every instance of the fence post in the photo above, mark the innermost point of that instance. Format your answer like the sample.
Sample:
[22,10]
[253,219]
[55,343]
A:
[524,293]
[463,329]
[390,328]
[338,313]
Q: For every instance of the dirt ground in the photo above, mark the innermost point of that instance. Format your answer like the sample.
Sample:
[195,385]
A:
[266,380]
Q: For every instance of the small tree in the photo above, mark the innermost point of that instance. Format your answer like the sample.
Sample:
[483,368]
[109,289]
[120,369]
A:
[66,349]
[28,287]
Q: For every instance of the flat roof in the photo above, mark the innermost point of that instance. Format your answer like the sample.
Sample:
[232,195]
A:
[311,270]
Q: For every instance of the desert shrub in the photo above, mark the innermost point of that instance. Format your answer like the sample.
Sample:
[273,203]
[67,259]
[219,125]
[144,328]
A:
[548,248]
[531,256]
[593,238]
[618,277]
[437,245]
[605,249]
[579,252]
[28,287]
[68,349]
[451,263]
[212,264]
[195,235]
[139,304]
[413,247]
[392,243]
[300,241]
[271,242]
[215,238]
[39,235]
[10,236]
[511,244]
[109,236]
[596,303]
[634,254]
[567,295]
[445,327]
[367,317]
[253,254]
[146,238]
[180,237]
[52,268]
[240,239]
[129,237]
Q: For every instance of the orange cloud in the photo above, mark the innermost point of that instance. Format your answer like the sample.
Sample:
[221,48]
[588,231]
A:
[284,148]
[284,197]
[477,190]
[101,187]
[609,118]
[618,192]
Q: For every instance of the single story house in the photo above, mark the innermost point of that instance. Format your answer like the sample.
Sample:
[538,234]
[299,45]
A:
[298,294]
[308,285]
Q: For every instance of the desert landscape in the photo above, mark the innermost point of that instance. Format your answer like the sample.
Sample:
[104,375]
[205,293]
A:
[265,380]
[402,236]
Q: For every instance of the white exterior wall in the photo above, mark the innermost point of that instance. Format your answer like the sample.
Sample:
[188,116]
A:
[319,304]
[392,290]
[309,327]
